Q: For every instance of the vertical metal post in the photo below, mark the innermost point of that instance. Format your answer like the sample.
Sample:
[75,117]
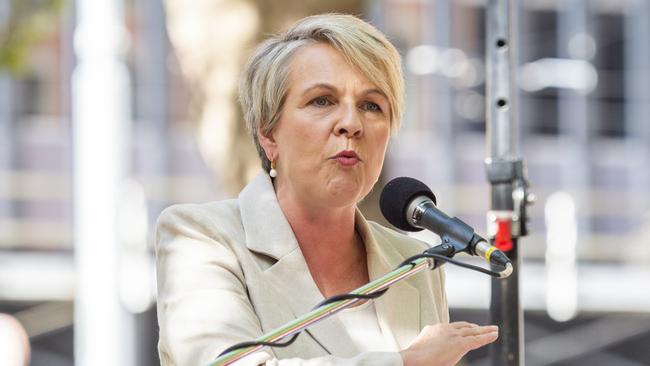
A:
[152,129]
[7,134]
[152,94]
[152,81]
[637,101]
[573,110]
[440,104]
[505,172]
[103,333]
[500,87]
[7,144]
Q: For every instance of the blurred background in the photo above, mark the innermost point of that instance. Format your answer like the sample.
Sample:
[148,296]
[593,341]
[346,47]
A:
[112,110]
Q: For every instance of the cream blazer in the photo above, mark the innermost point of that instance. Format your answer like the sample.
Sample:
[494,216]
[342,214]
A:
[232,270]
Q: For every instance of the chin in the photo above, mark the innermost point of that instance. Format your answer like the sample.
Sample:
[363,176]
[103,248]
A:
[343,195]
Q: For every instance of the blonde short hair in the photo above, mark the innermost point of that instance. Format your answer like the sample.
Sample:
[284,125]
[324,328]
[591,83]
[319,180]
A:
[264,84]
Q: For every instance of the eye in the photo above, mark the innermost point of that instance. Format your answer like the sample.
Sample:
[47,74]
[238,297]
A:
[371,107]
[320,102]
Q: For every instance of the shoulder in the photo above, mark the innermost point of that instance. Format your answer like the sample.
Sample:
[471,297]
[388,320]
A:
[200,213]
[215,220]
[198,210]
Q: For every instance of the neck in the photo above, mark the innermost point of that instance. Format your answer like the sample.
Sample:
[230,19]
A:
[329,232]
[334,253]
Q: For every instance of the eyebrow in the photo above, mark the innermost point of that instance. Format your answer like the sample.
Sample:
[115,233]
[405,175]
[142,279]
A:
[332,88]
[319,86]
[376,91]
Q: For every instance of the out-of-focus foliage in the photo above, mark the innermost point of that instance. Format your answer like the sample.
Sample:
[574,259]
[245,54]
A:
[26,23]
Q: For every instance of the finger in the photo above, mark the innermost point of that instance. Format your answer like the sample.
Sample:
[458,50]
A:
[461,325]
[478,330]
[481,340]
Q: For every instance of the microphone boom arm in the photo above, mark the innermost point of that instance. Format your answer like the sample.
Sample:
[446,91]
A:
[322,312]
[431,259]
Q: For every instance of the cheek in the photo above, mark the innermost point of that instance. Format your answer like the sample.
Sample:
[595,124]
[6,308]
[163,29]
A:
[377,143]
[307,141]
[379,140]
[303,143]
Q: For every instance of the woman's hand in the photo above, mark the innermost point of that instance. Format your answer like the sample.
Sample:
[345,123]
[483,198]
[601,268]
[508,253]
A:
[446,344]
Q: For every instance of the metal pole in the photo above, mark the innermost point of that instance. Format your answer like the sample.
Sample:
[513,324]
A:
[573,111]
[7,146]
[7,131]
[101,132]
[151,131]
[506,174]
[637,102]
[440,98]
[152,94]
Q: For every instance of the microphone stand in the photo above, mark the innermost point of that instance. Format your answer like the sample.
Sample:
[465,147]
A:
[382,283]
[506,173]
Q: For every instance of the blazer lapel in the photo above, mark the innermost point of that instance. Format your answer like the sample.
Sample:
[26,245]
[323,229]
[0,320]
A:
[398,310]
[268,232]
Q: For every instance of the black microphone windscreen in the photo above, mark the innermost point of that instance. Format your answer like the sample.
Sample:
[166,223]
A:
[396,197]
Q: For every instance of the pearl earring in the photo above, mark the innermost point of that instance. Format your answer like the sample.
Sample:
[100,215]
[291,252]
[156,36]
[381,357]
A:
[273,173]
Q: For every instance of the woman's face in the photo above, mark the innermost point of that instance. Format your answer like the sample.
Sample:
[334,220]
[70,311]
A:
[330,140]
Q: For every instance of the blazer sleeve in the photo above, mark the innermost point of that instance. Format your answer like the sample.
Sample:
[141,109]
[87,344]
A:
[203,306]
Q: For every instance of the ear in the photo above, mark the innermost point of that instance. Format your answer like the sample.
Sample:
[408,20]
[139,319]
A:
[268,144]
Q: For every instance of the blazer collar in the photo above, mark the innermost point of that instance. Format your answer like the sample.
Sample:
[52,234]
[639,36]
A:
[398,310]
[268,232]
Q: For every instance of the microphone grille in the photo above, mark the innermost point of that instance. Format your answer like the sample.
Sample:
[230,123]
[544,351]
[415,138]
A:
[396,197]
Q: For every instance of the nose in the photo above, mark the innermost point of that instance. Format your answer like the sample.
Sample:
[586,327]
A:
[349,124]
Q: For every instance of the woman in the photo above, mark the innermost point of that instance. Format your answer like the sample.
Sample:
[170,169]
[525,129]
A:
[321,102]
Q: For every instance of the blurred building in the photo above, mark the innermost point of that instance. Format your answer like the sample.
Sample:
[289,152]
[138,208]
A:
[583,108]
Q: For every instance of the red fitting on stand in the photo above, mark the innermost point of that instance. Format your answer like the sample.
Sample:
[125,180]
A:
[503,237]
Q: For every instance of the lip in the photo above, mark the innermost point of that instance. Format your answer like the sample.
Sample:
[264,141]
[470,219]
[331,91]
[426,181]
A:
[346,158]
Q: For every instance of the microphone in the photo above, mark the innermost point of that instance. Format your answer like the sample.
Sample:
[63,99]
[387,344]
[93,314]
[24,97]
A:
[409,204]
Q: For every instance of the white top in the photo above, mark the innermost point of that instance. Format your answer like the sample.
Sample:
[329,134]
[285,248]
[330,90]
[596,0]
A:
[363,327]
